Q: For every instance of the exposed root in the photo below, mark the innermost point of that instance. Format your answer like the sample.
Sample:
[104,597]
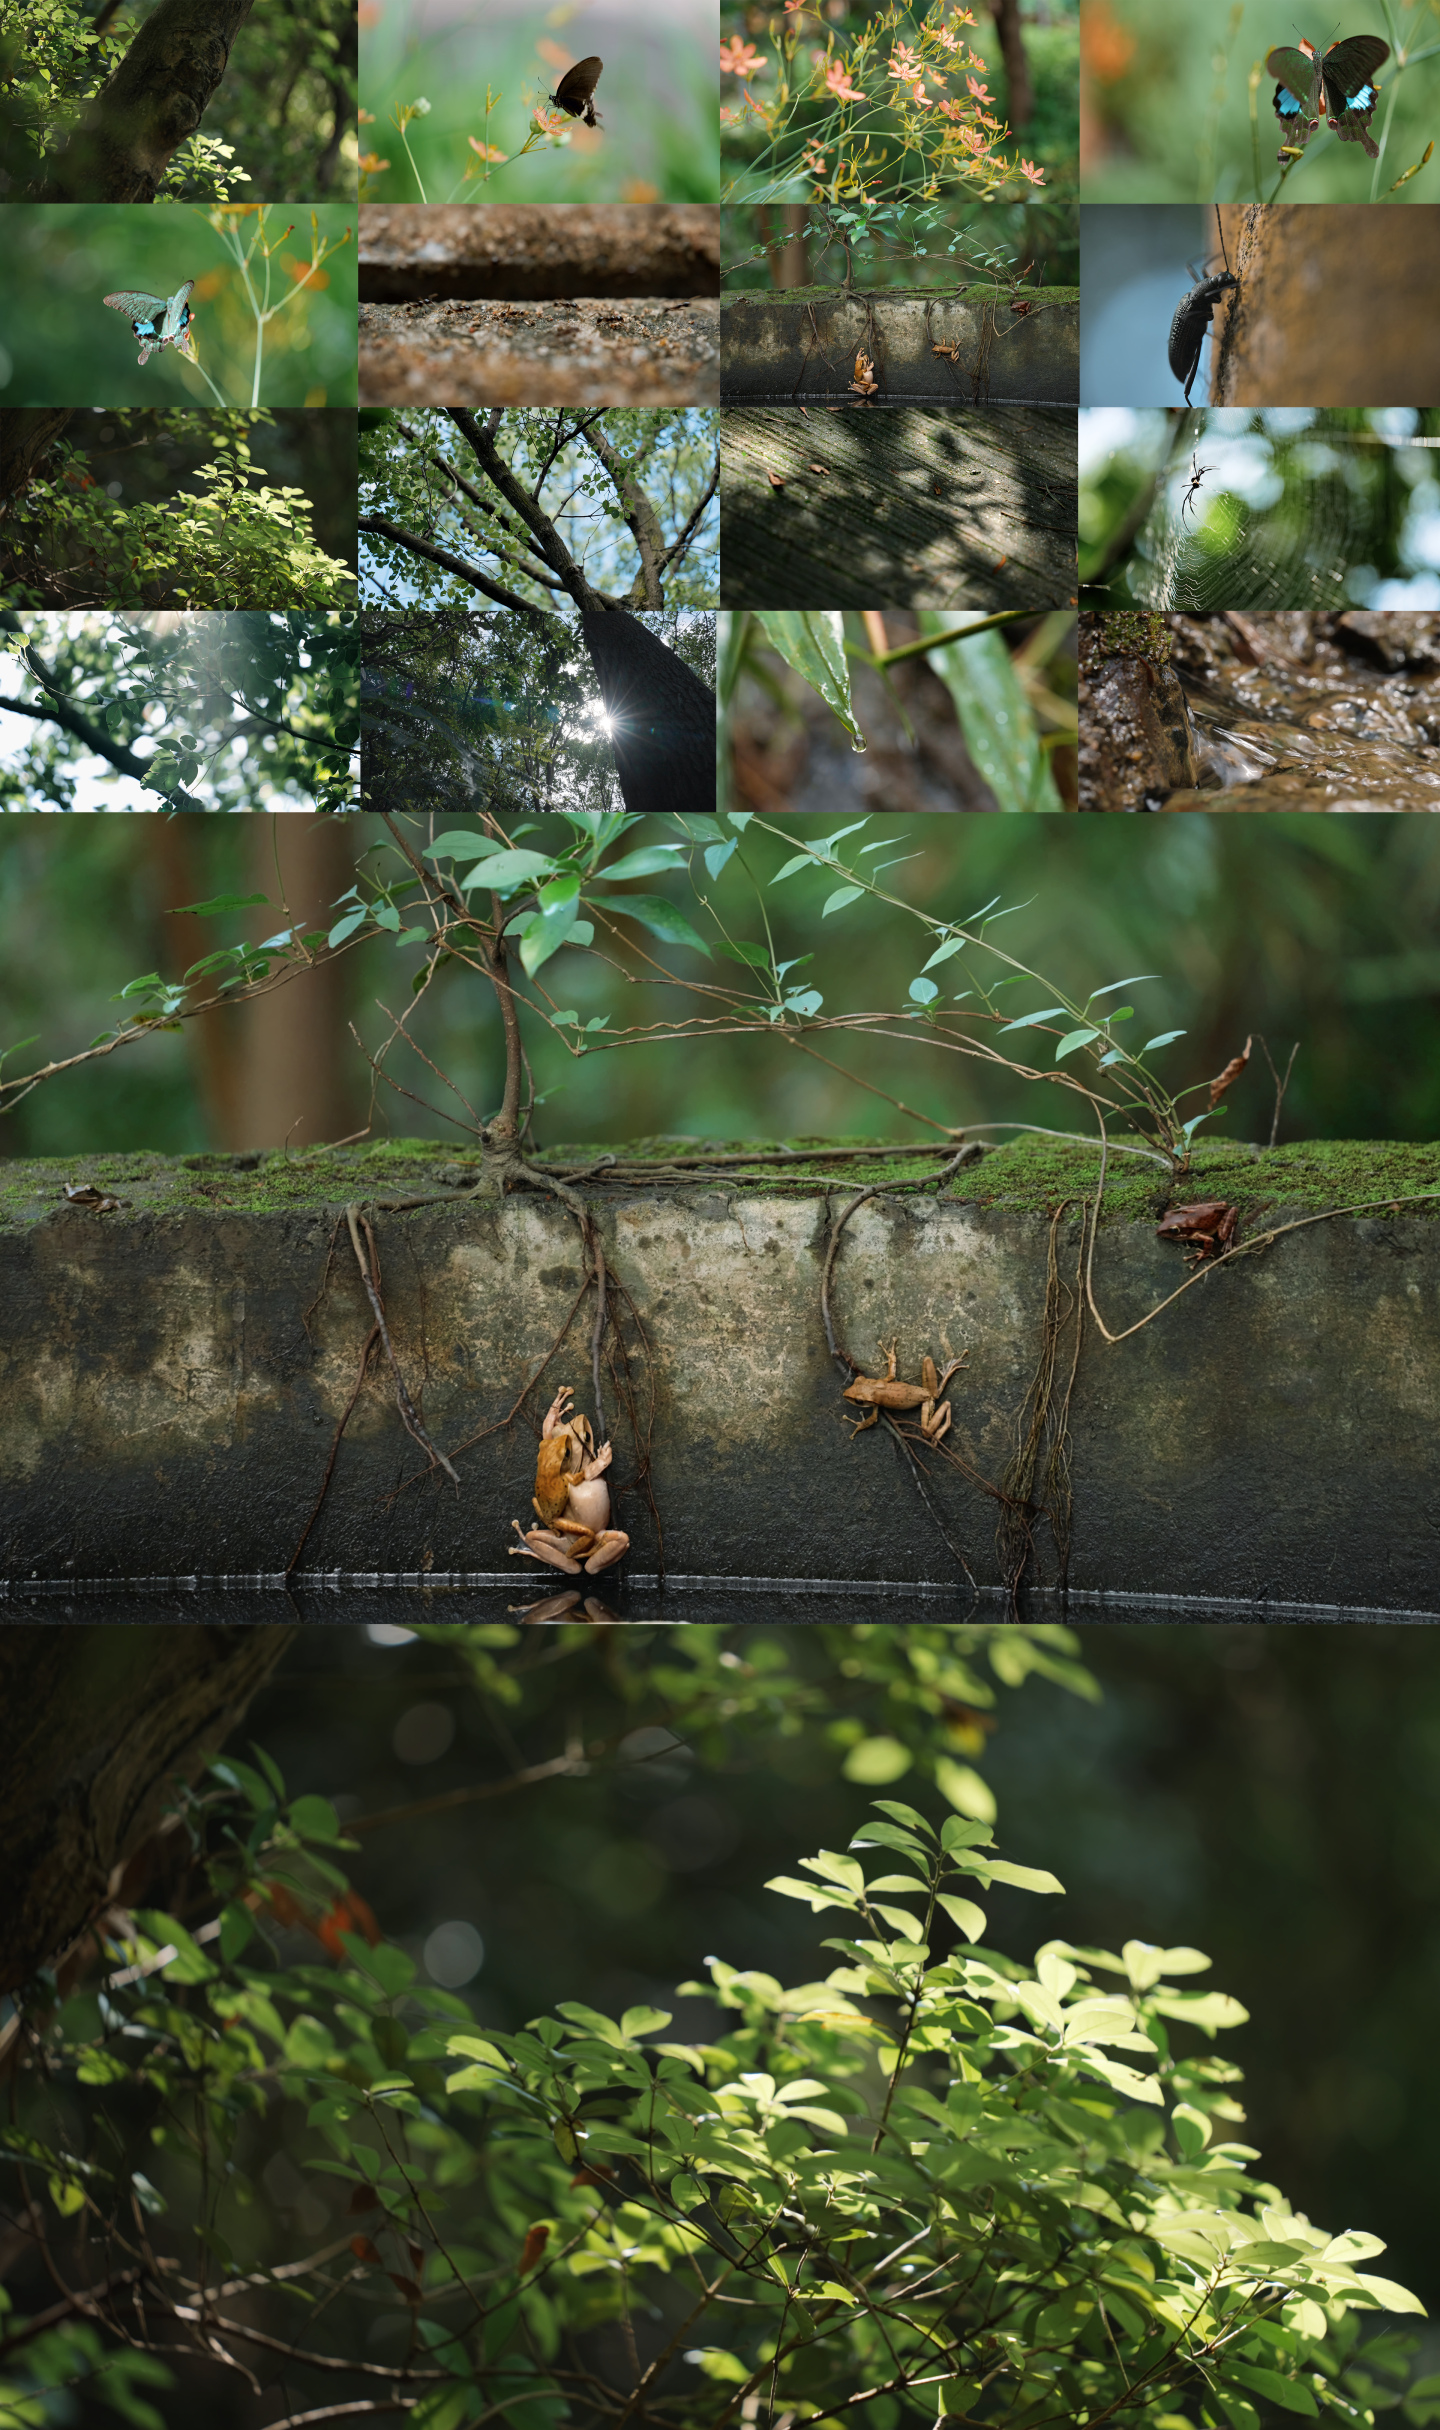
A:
[370,1277]
[849,1366]
[1044,1433]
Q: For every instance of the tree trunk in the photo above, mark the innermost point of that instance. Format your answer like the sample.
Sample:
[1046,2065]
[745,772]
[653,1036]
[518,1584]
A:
[790,263]
[26,432]
[1021,107]
[662,728]
[155,98]
[297,1078]
[95,1725]
[1326,309]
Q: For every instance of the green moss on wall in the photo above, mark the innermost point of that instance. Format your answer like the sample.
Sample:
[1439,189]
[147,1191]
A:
[1030,1174]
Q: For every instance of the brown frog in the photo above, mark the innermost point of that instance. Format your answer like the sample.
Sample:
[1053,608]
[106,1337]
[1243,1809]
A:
[571,1500]
[889,1391]
[1210,1226]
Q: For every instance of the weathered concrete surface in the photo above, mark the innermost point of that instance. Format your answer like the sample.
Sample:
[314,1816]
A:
[163,1411]
[634,351]
[802,343]
[437,252]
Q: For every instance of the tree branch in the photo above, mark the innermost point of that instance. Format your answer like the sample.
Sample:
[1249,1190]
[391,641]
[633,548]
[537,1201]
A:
[548,542]
[639,514]
[385,530]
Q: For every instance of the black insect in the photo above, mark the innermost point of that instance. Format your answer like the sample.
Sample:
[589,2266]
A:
[576,88]
[1336,81]
[1192,319]
[1197,475]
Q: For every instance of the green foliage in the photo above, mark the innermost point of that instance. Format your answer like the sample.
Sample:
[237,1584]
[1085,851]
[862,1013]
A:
[57,62]
[236,543]
[937,2182]
[287,682]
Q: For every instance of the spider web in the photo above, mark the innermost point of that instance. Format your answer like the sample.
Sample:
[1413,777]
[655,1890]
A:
[1294,553]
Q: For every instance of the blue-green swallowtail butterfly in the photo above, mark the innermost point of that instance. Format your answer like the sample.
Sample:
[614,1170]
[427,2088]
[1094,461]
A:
[157,323]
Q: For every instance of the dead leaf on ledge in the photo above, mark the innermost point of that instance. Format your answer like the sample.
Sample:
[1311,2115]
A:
[84,1194]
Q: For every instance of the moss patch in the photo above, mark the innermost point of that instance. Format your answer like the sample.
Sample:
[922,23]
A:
[1030,1174]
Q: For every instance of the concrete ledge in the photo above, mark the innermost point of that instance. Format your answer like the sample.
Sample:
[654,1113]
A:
[1266,1446]
[801,343]
[632,351]
[444,252]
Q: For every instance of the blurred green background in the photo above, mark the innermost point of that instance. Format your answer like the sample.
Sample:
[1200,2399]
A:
[61,345]
[658,140]
[1320,931]
[1176,105]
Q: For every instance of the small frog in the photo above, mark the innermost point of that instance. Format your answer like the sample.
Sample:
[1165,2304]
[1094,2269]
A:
[571,1497]
[1210,1224]
[888,1391]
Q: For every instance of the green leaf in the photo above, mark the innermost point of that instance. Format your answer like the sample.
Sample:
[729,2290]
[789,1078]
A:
[733,637]
[636,2021]
[503,872]
[812,641]
[552,925]
[1028,1020]
[217,903]
[236,1926]
[461,844]
[315,1818]
[1287,2393]
[1116,984]
[964,1912]
[923,991]
[965,1789]
[1074,1038]
[189,1964]
[1023,1877]
[661,918]
[347,927]
[838,900]
[643,863]
[1167,1037]
[447,2408]
[995,716]
[755,957]
[877,1761]
[717,2364]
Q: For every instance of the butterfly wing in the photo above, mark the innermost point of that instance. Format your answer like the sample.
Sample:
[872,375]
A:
[1350,95]
[146,311]
[177,314]
[574,91]
[1297,92]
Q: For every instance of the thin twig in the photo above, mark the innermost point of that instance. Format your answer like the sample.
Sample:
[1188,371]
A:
[560,1767]
[597,1332]
[406,1406]
[1280,1085]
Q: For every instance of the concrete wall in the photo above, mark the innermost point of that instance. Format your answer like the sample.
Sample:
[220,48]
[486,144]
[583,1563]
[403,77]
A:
[163,1410]
[803,341]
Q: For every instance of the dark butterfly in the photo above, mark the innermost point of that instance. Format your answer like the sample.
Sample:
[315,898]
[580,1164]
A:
[575,89]
[1337,81]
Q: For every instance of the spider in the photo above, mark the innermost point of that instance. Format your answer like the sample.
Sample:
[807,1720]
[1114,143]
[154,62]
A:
[1197,475]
